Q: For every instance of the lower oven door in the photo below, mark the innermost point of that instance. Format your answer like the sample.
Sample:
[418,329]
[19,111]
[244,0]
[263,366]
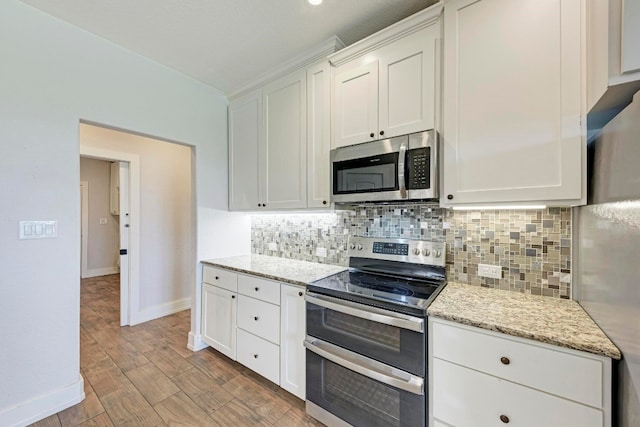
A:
[361,391]
[392,338]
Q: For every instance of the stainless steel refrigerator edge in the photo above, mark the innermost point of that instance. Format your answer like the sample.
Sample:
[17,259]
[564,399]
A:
[607,245]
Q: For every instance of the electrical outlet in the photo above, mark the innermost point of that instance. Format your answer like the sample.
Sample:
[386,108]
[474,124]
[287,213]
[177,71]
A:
[103,221]
[273,246]
[321,252]
[491,271]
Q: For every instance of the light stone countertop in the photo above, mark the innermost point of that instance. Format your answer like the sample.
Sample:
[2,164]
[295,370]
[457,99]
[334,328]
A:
[549,320]
[281,269]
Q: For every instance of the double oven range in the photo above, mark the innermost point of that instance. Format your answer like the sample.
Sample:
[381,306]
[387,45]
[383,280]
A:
[366,338]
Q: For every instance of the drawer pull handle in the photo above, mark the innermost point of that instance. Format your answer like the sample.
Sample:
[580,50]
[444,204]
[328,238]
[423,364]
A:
[255,356]
[504,419]
[299,294]
[257,289]
[255,318]
[505,361]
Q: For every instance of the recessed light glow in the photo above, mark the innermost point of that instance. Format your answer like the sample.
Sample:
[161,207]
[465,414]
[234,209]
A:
[512,207]
[314,2]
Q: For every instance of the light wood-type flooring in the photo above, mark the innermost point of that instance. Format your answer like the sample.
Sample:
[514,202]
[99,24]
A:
[144,375]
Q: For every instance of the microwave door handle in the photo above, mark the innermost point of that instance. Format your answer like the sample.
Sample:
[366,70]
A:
[402,164]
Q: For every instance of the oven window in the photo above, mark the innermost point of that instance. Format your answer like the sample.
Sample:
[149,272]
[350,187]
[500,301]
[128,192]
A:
[366,175]
[382,334]
[360,400]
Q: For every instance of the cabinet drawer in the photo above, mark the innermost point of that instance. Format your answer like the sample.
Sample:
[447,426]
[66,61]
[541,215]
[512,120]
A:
[259,355]
[221,278]
[463,397]
[262,289]
[562,373]
[259,317]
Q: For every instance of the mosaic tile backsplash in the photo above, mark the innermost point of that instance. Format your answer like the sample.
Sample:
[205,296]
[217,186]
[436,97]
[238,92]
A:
[533,247]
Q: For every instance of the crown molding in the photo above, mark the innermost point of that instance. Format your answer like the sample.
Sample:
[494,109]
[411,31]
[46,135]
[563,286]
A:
[400,29]
[303,60]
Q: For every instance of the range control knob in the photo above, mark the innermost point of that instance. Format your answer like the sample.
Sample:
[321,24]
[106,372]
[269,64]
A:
[426,252]
[416,251]
[359,247]
[352,246]
[437,254]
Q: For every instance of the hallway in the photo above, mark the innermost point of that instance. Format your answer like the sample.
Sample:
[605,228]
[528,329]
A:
[144,375]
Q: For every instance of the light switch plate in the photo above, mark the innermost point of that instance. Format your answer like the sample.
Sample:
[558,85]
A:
[38,229]
[103,221]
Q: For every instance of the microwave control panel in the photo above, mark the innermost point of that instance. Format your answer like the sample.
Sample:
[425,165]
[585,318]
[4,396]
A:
[419,168]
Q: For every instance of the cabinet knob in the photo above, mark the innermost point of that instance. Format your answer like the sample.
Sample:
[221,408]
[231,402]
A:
[233,297]
[372,134]
[264,205]
[505,360]
[504,419]
[255,318]
[217,278]
[381,132]
[324,202]
[255,356]
[450,196]
[259,204]
[300,293]
[256,288]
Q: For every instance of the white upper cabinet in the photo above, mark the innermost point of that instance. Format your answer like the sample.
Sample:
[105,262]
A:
[513,103]
[283,152]
[385,85]
[245,134]
[613,57]
[318,135]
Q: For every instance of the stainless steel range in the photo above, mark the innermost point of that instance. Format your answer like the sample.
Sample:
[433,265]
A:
[367,334]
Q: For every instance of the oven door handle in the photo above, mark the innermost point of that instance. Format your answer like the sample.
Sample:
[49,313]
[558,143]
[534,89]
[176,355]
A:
[366,312]
[363,365]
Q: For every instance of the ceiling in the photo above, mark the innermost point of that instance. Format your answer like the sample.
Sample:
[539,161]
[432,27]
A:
[228,43]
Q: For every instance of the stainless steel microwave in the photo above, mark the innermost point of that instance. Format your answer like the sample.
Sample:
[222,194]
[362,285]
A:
[400,168]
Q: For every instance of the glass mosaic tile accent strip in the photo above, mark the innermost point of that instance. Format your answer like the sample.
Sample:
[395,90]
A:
[533,247]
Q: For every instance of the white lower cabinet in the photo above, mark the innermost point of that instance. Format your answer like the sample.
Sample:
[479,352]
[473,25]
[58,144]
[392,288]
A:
[258,322]
[481,378]
[219,307]
[292,333]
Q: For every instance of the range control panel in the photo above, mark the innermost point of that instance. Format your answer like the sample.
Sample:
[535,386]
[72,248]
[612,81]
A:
[415,251]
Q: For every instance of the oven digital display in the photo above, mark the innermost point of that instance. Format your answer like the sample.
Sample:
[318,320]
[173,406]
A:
[390,248]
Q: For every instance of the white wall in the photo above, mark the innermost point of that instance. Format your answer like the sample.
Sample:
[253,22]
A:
[166,270]
[103,240]
[52,76]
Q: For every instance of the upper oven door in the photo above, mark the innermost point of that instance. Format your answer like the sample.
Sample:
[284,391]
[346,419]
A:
[392,338]
[373,171]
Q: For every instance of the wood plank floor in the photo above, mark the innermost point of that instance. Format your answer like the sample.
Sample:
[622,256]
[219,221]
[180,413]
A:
[144,375]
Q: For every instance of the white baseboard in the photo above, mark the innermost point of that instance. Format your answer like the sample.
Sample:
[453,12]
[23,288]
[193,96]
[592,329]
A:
[41,407]
[95,272]
[158,311]
[196,343]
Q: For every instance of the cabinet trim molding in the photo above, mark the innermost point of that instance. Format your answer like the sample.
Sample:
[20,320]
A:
[399,30]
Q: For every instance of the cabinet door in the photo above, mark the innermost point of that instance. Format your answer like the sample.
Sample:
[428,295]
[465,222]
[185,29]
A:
[292,333]
[245,127]
[408,84]
[318,135]
[512,110]
[283,153]
[630,36]
[219,307]
[355,105]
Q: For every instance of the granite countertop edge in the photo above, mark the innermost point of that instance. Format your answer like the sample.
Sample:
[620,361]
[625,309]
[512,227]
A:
[288,269]
[478,313]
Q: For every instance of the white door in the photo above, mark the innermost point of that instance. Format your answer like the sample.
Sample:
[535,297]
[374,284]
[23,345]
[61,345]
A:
[292,334]
[125,224]
[355,105]
[512,109]
[219,312]
[283,154]
[318,135]
[245,133]
[408,84]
